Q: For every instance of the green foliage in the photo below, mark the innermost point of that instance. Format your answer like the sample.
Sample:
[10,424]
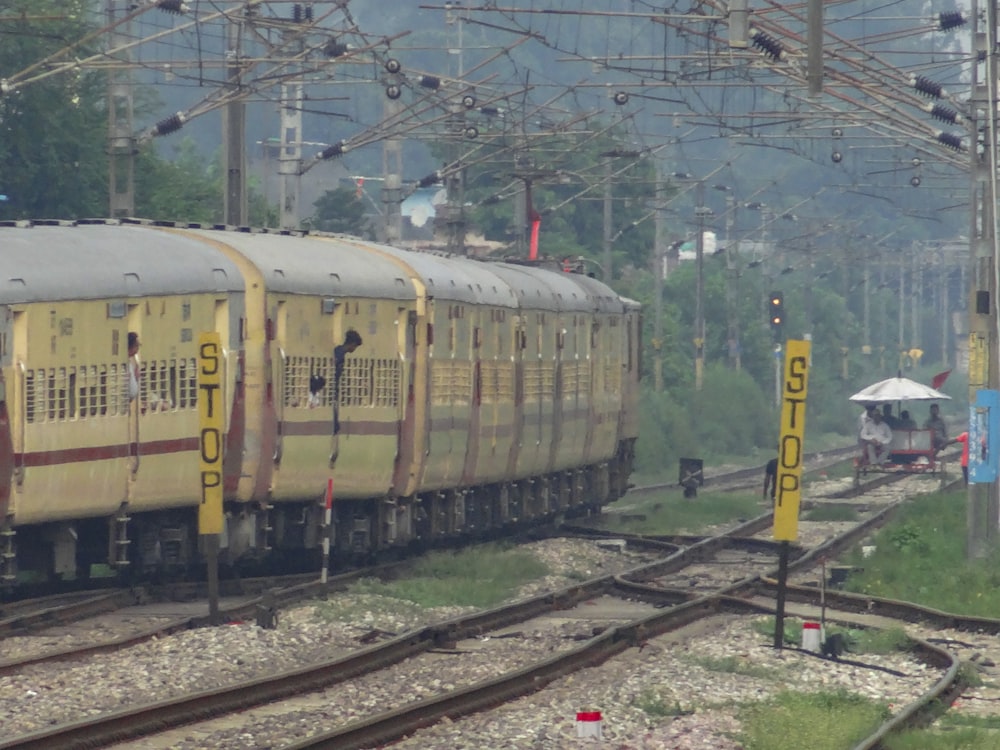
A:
[730,416]
[185,189]
[819,721]
[737,665]
[340,211]
[983,735]
[669,512]
[52,131]
[189,187]
[479,577]
[653,703]
[921,557]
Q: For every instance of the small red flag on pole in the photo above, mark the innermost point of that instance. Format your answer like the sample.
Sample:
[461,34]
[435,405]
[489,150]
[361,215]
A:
[939,379]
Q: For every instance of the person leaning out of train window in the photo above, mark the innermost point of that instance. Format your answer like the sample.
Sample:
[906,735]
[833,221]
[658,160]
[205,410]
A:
[352,340]
[133,366]
[876,436]
[939,430]
[316,385]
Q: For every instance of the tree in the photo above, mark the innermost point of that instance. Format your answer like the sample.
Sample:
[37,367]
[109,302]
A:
[52,132]
[341,211]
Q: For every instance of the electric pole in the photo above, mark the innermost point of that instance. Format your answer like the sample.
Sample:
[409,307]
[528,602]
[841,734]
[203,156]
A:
[121,141]
[982,509]
[234,133]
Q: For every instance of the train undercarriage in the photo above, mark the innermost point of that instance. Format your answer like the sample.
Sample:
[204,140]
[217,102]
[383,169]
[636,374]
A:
[289,535]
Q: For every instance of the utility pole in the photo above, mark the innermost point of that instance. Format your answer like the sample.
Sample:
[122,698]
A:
[701,211]
[607,221]
[983,503]
[290,156]
[455,181]
[659,254]
[121,141]
[392,185]
[234,133]
[901,337]
[731,276]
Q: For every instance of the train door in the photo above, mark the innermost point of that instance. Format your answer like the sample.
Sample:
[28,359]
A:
[133,320]
[278,345]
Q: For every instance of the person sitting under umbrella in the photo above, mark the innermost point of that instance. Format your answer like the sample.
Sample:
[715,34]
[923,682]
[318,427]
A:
[936,425]
[876,437]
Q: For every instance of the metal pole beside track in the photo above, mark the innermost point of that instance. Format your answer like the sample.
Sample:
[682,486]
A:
[327,519]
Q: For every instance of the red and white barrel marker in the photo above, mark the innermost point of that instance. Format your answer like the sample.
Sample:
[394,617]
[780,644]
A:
[811,637]
[588,724]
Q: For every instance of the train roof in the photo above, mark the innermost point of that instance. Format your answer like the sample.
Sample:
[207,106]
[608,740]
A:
[456,278]
[321,265]
[49,262]
[544,289]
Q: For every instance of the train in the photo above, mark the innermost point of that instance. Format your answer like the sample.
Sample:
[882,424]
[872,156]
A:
[485,394]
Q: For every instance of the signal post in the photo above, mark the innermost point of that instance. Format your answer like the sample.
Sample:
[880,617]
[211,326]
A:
[788,492]
[211,425]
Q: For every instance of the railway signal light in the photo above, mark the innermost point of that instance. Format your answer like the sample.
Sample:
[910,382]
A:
[776,313]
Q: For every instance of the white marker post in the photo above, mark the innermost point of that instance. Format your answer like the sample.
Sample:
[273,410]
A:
[327,521]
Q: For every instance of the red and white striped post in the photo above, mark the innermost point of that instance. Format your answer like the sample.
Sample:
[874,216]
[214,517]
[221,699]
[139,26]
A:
[588,724]
[327,521]
[811,636]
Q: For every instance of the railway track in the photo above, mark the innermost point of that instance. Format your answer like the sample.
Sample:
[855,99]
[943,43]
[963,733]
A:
[673,607]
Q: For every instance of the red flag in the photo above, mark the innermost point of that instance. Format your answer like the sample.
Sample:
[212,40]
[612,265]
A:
[939,379]
[536,222]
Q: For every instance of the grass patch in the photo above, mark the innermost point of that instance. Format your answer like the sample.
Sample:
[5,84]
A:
[921,557]
[736,665]
[952,738]
[669,512]
[480,577]
[819,721]
[652,703]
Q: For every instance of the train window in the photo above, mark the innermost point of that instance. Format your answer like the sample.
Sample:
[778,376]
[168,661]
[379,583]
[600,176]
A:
[187,383]
[451,382]
[386,374]
[30,396]
[87,390]
[308,382]
[186,310]
[356,382]
[116,309]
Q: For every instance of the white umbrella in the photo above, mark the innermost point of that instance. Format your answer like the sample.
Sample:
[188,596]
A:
[898,389]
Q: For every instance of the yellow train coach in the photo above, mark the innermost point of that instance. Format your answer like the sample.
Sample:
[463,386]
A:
[437,396]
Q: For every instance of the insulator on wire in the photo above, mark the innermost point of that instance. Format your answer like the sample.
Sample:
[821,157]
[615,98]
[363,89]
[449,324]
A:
[334,48]
[950,140]
[432,179]
[767,44]
[172,6]
[943,113]
[169,125]
[309,14]
[927,87]
[950,19]
[336,149]
[297,12]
